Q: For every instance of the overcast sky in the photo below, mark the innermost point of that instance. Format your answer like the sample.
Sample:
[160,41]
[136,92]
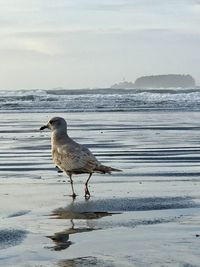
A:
[95,43]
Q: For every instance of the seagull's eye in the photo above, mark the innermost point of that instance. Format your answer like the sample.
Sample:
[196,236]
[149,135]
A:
[51,122]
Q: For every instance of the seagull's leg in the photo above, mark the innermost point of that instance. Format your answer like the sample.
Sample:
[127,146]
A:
[71,181]
[87,192]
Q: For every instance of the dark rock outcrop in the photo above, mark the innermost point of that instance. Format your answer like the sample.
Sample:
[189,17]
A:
[165,81]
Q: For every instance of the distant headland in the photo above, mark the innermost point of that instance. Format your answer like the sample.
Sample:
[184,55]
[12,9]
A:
[158,81]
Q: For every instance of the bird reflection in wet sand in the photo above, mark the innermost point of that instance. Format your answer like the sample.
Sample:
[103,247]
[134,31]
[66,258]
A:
[86,261]
[61,239]
[72,157]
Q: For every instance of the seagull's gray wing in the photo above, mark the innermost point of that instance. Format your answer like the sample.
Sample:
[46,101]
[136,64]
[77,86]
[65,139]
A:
[74,157]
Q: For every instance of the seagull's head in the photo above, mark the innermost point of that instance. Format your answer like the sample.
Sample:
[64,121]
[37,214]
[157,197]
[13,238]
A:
[55,124]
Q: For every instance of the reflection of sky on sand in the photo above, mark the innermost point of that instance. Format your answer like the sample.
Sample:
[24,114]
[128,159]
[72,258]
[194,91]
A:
[11,237]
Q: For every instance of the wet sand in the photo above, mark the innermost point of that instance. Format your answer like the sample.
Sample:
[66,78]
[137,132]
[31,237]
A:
[148,215]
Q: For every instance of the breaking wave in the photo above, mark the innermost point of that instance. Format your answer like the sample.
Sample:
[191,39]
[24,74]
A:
[102,100]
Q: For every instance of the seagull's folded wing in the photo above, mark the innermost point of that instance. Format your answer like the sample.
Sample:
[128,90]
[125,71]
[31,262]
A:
[74,158]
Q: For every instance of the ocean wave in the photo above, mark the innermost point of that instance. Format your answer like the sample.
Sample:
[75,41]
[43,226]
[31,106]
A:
[89,100]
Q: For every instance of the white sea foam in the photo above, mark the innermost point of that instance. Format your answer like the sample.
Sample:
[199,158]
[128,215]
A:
[99,100]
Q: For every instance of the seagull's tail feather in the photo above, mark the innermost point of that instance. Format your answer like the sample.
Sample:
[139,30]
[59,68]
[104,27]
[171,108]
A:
[106,169]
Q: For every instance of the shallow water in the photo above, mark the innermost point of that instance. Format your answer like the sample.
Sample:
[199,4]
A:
[134,218]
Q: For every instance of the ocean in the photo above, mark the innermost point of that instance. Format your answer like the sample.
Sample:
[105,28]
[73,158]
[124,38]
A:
[99,100]
[146,215]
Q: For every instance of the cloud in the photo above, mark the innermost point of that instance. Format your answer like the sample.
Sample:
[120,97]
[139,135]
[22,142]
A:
[95,40]
[83,15]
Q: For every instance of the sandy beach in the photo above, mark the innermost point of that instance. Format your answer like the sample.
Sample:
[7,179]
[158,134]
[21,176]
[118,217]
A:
[148,215]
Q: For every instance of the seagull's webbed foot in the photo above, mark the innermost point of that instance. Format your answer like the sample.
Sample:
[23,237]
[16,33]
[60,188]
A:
[87,193]
[74,196]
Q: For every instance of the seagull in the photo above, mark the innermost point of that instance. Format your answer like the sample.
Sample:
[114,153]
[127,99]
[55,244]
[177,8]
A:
[72,157]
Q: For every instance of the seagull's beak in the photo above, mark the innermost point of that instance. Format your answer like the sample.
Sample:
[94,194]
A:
[44,127]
